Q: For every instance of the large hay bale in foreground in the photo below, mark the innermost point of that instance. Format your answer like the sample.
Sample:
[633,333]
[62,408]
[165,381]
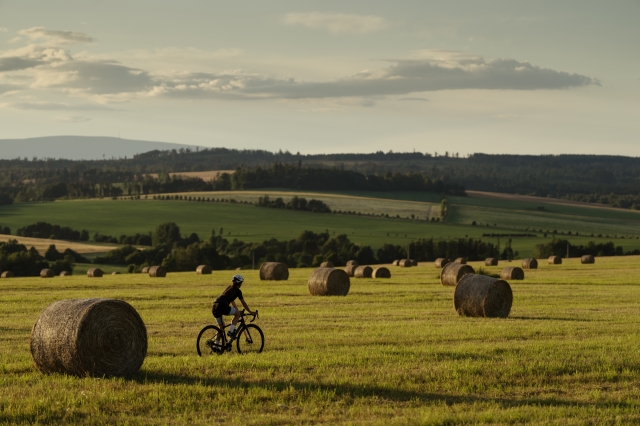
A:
[95,337]
[491,261]
[381,272]
[452,273]
[555,260]
[203,270]
[7,274]
[326,264]
[512,273]
[529,263]
[350,270]
[353,263]
[405,263]
[461,260]
[274,271]
[441,262]
[145,270]
[47,273]
[482,296]
[587,258]
[95,273]
[65,273]
[329,282]
[157,272]
[396,262]
[363,272]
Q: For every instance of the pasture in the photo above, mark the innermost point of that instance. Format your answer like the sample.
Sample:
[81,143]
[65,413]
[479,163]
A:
[253,224]
[390,352]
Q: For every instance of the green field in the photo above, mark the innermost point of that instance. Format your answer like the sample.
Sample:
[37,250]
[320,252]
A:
[391,352]
[253,224]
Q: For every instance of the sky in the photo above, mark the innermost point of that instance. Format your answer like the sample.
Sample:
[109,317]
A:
[543,77]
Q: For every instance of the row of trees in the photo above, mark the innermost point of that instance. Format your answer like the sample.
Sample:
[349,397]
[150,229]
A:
[25,262]
[296,203]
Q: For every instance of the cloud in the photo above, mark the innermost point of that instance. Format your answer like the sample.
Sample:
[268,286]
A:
[414,99]
[74,119]
[53,36]
[337,22]
[3,30]
[53,106]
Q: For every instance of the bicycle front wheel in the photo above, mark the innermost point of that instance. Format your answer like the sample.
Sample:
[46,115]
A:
[206,343]
[250,340]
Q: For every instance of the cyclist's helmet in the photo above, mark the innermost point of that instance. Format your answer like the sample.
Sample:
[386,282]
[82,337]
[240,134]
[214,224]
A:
[237,279]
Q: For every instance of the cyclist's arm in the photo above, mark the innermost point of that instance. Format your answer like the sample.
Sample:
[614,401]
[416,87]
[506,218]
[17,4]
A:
[246,307]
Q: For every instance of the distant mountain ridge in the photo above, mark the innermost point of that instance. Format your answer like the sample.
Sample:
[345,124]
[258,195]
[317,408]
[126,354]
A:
[80,147]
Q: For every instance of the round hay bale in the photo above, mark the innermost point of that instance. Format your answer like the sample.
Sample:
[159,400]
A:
[555,260]
[452,273]
[326,264]
[329,282]
[65,273]
[47,273]
[512,273]
[239,268]
[353,263]
[274,271]
[363,272]
[405,263]
[203,270]
[7,274]
[95,273]
[491,261]
[529,263]
[115,273]
[441,262]
[414,262]
[482,296]
[381,272]
[350,270]
[461,260]
[95,337]
[587,258]
[396,262]
[145,270]
[157,272]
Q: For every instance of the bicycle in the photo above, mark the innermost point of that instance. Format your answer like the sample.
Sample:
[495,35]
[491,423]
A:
[248,337]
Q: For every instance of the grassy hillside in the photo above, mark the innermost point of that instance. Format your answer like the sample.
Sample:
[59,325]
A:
[391,352]
[249,223]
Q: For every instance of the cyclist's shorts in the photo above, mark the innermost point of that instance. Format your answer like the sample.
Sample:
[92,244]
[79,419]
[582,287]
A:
[220,309]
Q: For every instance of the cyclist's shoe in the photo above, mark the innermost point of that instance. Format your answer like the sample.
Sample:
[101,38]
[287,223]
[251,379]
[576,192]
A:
[231,334]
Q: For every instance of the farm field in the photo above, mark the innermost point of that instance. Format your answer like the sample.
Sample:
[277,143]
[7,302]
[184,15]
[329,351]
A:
[391,352]
[42,244]
[249,223]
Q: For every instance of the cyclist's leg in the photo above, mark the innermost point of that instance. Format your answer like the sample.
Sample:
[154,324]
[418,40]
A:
[236,316]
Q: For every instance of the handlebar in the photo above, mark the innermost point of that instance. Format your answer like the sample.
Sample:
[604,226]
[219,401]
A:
[254,315]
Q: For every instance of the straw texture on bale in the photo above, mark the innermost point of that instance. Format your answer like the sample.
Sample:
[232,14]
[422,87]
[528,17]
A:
[405,263]
[326,264]
[145,270]
[482,296]
[274,271]
[95,273]
[157,272]
[353,263]
[350,270]
[47,273]
[587,258]
[7,274]
[512,273]
[452,273]
[491,261]
[363,272]
[381,272]
[396,262]
[441,262]
[203,270]
[529,263]
[95,337]
[329,282]
[555,260]
[414,262]
[65,273]
[115,273]
[461,260]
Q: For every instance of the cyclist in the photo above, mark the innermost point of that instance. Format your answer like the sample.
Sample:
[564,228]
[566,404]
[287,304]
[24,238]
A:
[221,305]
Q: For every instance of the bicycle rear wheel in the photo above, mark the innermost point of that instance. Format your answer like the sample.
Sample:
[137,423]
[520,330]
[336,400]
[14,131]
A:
[206,345]
[250,340]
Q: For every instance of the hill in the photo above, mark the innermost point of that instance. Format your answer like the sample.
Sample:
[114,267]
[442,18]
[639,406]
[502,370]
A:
[81,147]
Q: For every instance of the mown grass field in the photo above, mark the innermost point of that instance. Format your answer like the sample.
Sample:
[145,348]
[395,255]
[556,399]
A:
[249,223]
[391,352]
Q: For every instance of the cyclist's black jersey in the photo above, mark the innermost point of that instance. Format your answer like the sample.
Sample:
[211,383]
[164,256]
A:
[229,295]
